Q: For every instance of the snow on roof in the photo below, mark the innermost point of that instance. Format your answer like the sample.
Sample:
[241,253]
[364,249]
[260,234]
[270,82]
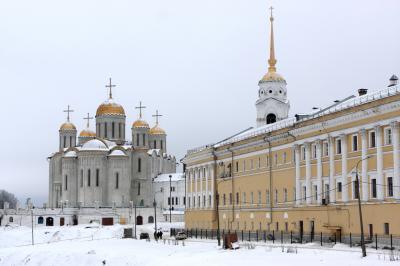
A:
[344,104]
[150,152]
[165,177]
[70,154]
[94,144]
[117,153]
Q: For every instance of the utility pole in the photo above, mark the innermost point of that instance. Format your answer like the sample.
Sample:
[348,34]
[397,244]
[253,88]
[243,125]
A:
[218,233]
[33,242]
[170,199]
[155,214]
[135,221]
[363,249]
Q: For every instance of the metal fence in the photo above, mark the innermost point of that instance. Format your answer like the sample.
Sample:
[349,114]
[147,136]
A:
[389,242]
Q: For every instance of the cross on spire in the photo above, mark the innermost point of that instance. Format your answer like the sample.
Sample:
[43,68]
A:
[140,107]
[157,115]
[110,86]
[88,118]
[271,9]
[68,111]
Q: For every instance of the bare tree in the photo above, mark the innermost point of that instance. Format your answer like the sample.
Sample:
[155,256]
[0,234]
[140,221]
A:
[7,197]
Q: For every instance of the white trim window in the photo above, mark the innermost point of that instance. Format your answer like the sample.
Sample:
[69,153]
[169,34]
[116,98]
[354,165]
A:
[338,146]
[314,151]
[325,148]
[303,153]
[354,142]
[388,136]
[372,139]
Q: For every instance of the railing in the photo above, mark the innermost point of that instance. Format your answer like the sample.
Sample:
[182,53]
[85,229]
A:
[376,241]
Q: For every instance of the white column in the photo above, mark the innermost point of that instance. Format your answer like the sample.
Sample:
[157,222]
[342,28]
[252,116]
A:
[201,175]
[345,187]
[196,178]
[298,188]
[308,172]
[332,182]
[207,172]
[364,166]
[396,159]
[379,163]
[319,170]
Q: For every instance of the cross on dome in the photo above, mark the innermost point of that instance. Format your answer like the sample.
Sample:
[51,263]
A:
[140,107]
[68,111]
[110,86]
[157,115]
[88,118]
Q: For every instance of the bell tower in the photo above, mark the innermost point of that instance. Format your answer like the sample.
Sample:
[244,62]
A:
[272,104]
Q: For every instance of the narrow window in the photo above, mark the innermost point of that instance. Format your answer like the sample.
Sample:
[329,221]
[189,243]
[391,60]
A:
[113,130]
[285,195]
[224,199]
[70,141]
[372,140]
[277,226]
[169,201]
[65,141]
[267,199]
[137,140]
[209,200]
[314,151]
[390,186]
[237,198]
[355,142]
[252,197]
[259,197]
[162,144]
[81,177]
[276,196]
[339,186]
[315,192]
[374,188]
[138,189]
[66,182]
[105,130]
[303,153]
[244,166]
[230,198]
[304,193]
[88,178]
[173,201]
[116,180]
[119,130]
[97,177]
[155,144]
[144,139]
[237,167]
[286,227]
[355,189]
[338,146]
[139,165]
[388,136]
[184,200]
[326,149]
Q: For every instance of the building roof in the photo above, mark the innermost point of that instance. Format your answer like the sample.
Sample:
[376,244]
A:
[174,177]
[94,144]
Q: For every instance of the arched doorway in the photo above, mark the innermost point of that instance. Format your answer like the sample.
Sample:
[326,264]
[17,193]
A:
[40,220]
[49,221]
[139,220]
[62,221]
[150,219]
[271,118]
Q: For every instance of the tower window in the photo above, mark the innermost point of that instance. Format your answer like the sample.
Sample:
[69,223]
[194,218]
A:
[65,140]
[113,130]
[105,130]
[137,139]
[116,180]
[144,139]
[97,177]
[88,178]
[155,142]
[138,189]
[66,182]
[271,118]
[139,165]
[161,144]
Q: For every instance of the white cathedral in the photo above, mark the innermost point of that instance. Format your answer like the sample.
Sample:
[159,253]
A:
[104,169]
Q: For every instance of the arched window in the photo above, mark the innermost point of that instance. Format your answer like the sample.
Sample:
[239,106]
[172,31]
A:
[139,165]
[155,144]
[105,130]
[144,139]
[40,220]
[150,219]
[162,144]
[116,180]
[11,219]
[65,140]
[112,129]
[66,182]
[271,118]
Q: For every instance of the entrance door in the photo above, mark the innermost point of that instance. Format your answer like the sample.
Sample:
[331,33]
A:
[49,221]
[139,220]
[301,230]
[74,220]
[371,231]
[312,230]
[62,221]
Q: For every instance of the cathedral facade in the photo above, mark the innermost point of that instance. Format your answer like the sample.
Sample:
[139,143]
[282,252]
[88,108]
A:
[302,174]
[103,168]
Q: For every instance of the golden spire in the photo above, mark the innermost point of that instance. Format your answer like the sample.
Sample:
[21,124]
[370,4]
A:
[272,59]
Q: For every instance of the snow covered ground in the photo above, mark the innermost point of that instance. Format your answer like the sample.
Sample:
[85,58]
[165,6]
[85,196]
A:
[98,245]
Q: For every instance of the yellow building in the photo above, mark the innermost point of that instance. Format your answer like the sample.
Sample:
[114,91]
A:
[299,174]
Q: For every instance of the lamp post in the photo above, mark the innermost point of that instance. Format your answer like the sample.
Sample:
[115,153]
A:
[170,199]
[364,252]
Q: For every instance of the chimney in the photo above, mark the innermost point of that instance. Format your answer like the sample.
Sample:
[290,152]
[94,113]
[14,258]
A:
[393,80]
[362,92]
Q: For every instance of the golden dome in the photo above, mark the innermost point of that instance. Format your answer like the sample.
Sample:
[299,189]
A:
[140,123]
[272,76]
[109,107]
[156,130]
[87,133]
[67,126]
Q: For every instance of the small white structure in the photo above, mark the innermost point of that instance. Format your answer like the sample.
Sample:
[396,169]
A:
[176,200]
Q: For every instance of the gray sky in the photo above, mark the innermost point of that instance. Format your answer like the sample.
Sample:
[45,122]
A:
[198,62]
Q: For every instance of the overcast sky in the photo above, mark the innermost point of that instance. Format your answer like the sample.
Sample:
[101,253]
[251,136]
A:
[198,62]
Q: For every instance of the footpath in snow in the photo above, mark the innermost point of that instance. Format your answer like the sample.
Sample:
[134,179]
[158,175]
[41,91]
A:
[96,245]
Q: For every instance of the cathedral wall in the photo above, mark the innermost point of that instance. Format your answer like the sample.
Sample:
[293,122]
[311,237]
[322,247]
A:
[118,182]
[69,181]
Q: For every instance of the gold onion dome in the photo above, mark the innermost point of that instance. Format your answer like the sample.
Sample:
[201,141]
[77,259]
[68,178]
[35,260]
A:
[271,74]
[140,124]
[67,126]
[110,107]
[87,133]
[157,130]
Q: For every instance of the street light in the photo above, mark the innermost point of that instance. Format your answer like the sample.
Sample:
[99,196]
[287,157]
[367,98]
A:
[364,252]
